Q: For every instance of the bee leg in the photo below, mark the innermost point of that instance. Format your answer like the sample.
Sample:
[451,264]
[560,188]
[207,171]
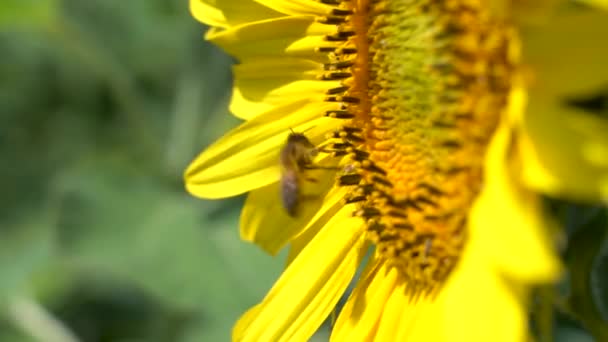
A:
[325,150]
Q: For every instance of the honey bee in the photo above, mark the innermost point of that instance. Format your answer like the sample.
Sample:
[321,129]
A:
[296,157]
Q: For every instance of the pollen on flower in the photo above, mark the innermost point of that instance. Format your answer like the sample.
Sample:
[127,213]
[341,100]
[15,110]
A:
[424,83]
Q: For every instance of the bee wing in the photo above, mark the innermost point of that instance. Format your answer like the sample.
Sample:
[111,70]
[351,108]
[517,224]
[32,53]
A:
[289,192]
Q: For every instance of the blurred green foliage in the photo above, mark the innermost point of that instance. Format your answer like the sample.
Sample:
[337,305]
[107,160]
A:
[102,105]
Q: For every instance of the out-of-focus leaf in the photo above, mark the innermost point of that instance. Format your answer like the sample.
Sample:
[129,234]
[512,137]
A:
[27,13]
[26,248]
[583,258]
[9,333]
[599,278]
[36,321]
[97,307]
[567,334]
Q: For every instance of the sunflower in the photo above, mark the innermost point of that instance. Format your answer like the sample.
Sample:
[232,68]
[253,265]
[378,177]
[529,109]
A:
[415,144]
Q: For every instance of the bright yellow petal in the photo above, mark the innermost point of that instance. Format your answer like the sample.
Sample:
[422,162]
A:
[282,37]
[479,305]
[310,287]
[246,109]
[391,322]
[224,14]
[408,318]
[359,317]
[247,157]
[476,304]
[265,222]
[380,309]
[298,7]
[565,148]
[419,320]
[603,4]
[329,208]
[507,218]
[246,319]
[261,85]
[524,13]
[575,167]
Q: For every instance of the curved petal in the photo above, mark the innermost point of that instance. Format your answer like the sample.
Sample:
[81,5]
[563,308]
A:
[603,4]
[246,109]
[300,241]
[524,13]
[359,317]
[407,319]
[246,319]
[557,136]
[266,83]
[281,37]
[507,218]
[475,304]
[310,287]
[298,7]
[265,222]
[479,305]
[225,14]
[380,309]
[248,157]
[549,158]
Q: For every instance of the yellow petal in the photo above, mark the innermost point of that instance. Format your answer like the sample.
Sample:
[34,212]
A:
[564,148]
[246,109]
[224,14]
[265,222]
[603,4]
[263,84]
[380,309]
[282,37]
[247,157]
[524,13]
[390,322]
[310,287]
[549,157]
[419,320]
[479,305]
[330,206]
[507,218]
[408,319]
[359,317]
[576,37]
[297,7]
[246,319]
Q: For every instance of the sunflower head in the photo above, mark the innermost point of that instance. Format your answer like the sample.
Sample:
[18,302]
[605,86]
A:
[397,111]
[419,87]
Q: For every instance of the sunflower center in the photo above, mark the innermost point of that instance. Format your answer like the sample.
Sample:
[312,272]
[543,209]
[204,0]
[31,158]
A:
[425,83]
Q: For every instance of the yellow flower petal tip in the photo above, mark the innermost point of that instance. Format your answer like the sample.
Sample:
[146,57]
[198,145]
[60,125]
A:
[603,4]
[208,14]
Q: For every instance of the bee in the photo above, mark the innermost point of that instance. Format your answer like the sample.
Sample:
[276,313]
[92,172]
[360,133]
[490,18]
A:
[296,157]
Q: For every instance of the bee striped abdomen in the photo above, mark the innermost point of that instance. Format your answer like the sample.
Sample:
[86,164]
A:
[290,192]
[296,156]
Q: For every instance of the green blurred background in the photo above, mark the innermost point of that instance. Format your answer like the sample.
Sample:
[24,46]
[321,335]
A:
[103,103]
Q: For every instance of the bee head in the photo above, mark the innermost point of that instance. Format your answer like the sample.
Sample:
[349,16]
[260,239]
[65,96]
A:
[299,139]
